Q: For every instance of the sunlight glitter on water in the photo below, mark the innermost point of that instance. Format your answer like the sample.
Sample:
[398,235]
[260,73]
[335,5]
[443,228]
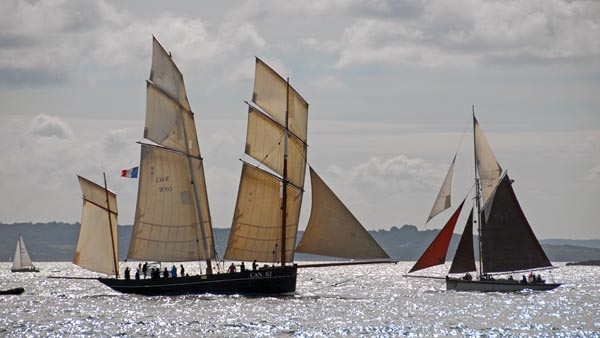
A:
[370,300]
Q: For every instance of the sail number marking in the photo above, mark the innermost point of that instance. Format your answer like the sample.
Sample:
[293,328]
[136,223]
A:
[265,274]
[164,179]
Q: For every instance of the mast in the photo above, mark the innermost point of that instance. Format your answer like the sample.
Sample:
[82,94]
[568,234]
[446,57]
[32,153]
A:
[284,183]
[196,199]
[112,236]
[477,197]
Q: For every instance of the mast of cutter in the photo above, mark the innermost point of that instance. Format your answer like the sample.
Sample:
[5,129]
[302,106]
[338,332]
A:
[112,236]
[477,196]
[284,183]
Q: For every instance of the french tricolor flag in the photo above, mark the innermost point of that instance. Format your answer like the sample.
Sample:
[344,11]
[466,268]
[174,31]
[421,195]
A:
[131,173]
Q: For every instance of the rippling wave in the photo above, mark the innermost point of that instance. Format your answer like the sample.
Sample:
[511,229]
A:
[363,300]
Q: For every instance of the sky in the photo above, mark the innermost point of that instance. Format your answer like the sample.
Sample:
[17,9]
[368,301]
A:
[390,85]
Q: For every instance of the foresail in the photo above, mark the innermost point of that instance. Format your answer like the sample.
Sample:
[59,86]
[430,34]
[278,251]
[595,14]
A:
[442,201]
[95,250]
[508,243]
[487,165]
[332,230]
[166,226]
[464,259]
[271,94]
[435,254]
[256,229]
[265,143]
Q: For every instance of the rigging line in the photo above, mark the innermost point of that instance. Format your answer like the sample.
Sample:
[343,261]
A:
[270,151]
[462,137]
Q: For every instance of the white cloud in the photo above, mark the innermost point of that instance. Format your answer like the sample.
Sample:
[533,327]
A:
[397,174]
[50,126]
[475,32]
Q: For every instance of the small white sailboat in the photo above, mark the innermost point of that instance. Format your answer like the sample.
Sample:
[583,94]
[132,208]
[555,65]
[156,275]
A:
[22,261]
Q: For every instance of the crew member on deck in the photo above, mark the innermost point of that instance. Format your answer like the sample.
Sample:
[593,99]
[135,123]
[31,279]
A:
[127,273]
[173,271]
[182,271]
[231,268]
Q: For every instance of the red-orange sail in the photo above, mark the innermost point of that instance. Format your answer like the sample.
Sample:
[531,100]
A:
[436,252]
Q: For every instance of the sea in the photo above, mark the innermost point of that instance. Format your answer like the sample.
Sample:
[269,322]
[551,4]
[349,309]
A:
[354,301]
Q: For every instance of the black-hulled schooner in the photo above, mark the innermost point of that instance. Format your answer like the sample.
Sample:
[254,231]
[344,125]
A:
[173,223]
[506,242]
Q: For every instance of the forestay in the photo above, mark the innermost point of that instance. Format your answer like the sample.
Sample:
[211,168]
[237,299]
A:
[332,230]
[96,247]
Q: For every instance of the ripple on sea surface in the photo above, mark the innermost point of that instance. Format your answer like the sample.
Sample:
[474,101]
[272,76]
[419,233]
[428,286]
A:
[371,300]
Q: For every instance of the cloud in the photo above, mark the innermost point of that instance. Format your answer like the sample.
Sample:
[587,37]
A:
[50,42]
[51,126]
[397,174]
[477,32]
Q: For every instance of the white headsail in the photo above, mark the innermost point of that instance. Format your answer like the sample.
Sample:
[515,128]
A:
[487,165]
[442,201]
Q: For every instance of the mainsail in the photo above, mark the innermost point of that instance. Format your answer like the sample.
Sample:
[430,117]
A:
[464,258]
[507,241]
[435,254]
[332,230]
[172,220]
[96,247]
[487,165]
[276,139]
[442,201]
[21,259]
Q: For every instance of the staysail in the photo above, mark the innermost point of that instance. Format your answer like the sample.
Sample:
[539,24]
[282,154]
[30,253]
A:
[332,230]
[442,201]
[464,258]
[435,254]
[172,221]
[276,138]
[507,241]
[487,165]
[96,247]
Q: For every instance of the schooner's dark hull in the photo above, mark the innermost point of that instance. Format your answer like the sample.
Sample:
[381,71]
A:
[272,281]
[500,285]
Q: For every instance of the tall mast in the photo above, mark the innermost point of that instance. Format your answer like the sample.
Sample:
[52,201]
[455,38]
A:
[284,183]
[196,200]
[477,197]
[112,237]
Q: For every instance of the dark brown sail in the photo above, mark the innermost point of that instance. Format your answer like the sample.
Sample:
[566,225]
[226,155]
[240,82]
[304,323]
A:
[507,241]
[464,259]
[435,254]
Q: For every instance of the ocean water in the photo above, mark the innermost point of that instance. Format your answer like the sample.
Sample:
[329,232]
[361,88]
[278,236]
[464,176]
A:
[363,300]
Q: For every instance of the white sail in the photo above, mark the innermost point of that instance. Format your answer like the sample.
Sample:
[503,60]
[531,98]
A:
[332,230]
[166,75]
[256,229]
[487,165]
[442,201]
[97,244]
[166,226]
[273,95]
[265,143]
[21,259]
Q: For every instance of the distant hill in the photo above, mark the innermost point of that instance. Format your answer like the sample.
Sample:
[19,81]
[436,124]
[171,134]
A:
[55,241]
